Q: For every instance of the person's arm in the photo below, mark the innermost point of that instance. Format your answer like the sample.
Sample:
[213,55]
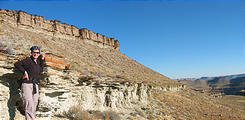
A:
[21,66]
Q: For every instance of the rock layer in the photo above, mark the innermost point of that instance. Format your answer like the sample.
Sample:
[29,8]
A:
[55,28]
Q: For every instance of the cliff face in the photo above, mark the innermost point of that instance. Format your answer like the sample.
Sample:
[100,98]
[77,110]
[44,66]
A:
[55,28]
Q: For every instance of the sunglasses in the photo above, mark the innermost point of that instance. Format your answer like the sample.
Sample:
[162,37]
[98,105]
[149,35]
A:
[36,52]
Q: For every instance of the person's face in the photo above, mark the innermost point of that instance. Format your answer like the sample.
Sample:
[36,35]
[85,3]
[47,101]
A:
[35,53]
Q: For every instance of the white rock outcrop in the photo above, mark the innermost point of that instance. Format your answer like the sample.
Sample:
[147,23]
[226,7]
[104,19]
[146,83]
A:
[61,90]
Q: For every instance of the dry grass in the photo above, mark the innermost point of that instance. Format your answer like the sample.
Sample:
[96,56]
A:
[77,113]
[234,101]
[189,104]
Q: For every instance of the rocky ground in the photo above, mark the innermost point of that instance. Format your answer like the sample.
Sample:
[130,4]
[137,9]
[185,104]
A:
[189,104]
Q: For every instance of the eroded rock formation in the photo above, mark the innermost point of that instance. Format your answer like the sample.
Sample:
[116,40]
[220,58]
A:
[56,61]
[62,89]
[55,28]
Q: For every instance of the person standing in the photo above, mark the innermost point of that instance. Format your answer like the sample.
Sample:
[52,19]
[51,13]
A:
[31,67]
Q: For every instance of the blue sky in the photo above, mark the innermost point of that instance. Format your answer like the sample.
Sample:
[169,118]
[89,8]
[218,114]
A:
[178,38]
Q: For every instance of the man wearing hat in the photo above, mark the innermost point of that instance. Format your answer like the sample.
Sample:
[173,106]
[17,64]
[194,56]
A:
[31,67]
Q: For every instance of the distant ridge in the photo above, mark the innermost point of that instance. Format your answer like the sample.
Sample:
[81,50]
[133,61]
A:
[226,76]
[208,78]
[228,84]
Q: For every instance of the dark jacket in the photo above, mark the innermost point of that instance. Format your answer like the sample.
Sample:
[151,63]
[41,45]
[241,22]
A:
[28,64]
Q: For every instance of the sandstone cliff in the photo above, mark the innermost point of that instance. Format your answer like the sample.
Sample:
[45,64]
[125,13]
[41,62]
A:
[55,28]
[86,69]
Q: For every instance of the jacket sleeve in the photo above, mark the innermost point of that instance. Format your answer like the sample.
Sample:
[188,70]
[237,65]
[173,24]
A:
[21,65]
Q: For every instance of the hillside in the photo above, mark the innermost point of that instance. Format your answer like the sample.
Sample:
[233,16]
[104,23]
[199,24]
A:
[87,77]
[79,51]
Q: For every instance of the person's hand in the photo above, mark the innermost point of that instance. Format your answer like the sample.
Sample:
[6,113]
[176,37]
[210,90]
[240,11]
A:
[25,76]
[43,56]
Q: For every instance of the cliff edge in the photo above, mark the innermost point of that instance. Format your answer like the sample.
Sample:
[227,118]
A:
[38,24]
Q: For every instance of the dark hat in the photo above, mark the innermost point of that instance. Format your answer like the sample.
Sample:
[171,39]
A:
[34,47]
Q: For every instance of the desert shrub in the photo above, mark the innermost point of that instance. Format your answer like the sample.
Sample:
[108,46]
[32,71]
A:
[106,115]
[77,113]
[97,114]
[83,115]
[111,115]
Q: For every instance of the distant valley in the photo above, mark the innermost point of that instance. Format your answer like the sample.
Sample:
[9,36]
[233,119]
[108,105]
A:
[228,85]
